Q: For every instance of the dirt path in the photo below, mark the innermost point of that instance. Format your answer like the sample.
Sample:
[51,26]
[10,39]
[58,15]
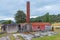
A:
[17,38]
[5,38]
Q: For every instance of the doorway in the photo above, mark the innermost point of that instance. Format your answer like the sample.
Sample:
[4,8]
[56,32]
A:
[19,28]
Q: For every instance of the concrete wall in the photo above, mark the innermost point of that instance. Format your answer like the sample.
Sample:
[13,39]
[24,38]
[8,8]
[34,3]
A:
[29,27]
[11,29]
[0,29]
[48,28]
[56,29]
[26,27]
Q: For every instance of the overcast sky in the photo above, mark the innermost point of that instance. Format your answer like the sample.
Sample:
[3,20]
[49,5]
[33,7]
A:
[38,7]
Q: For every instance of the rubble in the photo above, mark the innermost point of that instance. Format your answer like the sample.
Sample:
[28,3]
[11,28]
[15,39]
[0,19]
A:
[37,34]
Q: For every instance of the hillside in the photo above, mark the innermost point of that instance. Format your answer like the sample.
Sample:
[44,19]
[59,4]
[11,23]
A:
[46,18]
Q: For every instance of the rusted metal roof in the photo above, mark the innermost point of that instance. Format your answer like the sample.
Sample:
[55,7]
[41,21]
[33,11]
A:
[40,23]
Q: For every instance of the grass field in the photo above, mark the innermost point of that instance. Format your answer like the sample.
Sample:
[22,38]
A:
[12,37]
[55,37]
[21,38]
[1,35]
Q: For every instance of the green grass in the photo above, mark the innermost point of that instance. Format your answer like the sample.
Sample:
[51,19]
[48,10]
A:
[12,37]
[1,35]
[55,37]
[21,38]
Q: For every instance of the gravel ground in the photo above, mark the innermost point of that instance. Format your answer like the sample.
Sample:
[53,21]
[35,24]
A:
[30,36]
[26,37]
[37,34]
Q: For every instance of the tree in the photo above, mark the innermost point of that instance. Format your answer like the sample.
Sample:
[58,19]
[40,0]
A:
[7,22]
[47,19]
[20,17]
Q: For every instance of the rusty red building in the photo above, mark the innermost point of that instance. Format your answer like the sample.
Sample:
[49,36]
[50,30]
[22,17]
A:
[41,26]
